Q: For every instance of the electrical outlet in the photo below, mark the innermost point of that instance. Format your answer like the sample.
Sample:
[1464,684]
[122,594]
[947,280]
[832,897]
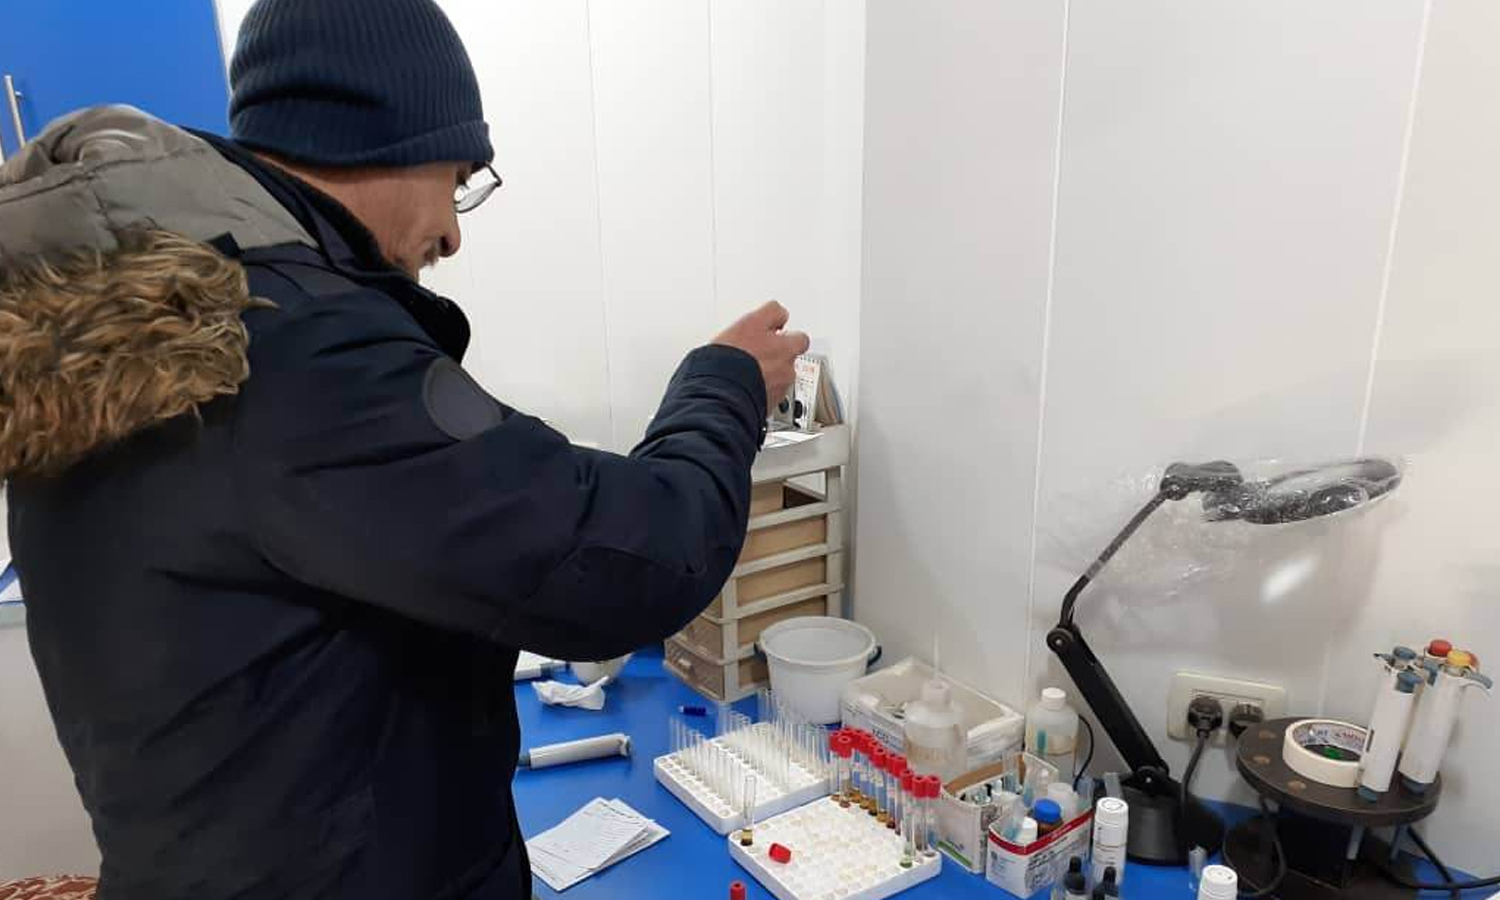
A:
[1230,692]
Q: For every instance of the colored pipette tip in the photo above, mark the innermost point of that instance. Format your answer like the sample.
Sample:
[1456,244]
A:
[696,711]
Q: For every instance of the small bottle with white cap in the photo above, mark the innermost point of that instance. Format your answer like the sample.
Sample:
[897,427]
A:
[1111,828]
[1218,883]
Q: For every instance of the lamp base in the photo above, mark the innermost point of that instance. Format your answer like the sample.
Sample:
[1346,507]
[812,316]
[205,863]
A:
[1160,834]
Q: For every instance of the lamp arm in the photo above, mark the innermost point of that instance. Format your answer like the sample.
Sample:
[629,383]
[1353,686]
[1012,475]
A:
[1093,682]
[1109,553]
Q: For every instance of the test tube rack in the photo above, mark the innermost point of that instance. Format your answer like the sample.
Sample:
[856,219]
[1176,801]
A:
[782,759]
[838,853]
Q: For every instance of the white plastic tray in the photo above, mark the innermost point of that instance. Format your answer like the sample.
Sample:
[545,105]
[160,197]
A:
[719,812]
[838,853]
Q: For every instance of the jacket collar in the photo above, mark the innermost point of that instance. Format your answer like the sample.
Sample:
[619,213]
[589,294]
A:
[349,248]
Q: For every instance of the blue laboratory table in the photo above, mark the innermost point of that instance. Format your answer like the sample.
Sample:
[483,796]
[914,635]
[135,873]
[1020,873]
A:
[693,863]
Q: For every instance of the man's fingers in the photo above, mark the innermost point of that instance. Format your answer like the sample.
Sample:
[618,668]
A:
[773,316]
[796,342]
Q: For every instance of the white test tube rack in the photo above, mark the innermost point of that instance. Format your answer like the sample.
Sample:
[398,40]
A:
[785,758]
[838,853]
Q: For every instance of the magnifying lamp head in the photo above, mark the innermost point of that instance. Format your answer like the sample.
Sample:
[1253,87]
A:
[1305,493]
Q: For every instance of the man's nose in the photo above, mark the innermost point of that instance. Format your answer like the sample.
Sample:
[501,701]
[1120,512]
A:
[450,242]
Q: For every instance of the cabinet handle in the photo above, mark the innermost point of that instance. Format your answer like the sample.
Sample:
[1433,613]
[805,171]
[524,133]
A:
[15,109]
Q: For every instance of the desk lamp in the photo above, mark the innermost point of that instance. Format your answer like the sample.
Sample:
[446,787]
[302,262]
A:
[1162,826]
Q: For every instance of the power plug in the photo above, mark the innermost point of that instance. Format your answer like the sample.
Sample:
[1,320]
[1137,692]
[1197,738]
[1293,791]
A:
[1205,715]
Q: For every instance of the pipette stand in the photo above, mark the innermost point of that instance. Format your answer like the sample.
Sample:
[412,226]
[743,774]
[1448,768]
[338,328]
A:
[1323,829]
[838,853]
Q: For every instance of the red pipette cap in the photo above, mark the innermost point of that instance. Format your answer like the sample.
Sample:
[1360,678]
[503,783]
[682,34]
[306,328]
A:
[843,747]
[909,782]
[781,854]
[736,890]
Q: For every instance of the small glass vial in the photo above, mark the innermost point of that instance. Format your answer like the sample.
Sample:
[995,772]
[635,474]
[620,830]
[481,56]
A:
[747,834]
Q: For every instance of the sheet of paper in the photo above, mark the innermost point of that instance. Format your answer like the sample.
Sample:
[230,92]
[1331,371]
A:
[595,837]
[533,665]
[788,438]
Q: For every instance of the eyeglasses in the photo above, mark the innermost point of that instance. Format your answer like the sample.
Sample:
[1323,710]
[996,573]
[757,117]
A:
[467,197]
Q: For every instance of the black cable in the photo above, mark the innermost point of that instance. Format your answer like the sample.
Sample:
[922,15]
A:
[1270,819]
[1192,769]
[1447,876]
[1409,884]
[1078,774]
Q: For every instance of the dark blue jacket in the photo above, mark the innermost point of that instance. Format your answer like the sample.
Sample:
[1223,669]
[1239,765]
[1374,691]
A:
[277,637]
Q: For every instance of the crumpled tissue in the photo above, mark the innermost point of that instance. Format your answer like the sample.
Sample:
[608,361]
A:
[583,696]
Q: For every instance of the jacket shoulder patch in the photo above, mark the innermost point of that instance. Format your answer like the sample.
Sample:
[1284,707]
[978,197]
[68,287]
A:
[456,403]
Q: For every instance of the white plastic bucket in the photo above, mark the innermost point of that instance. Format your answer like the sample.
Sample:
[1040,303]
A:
[811,659]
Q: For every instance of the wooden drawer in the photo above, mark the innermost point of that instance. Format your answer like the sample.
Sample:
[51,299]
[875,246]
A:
[764,542]
[728,638]
[781,579]
[716,679]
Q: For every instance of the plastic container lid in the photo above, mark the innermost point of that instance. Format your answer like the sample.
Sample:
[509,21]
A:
[1027,834]
[1404,653]
[933,786]
[1046,812]
[1054,698]
[843,746]
[1439,648]
[1218,883]
[1408,682]
[935,692]
[909,782]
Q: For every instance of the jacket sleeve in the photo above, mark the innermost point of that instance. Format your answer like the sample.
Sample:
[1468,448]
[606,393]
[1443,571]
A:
[373,468]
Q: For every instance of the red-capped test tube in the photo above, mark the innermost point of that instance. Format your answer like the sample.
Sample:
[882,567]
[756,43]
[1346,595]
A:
[896,768]
[908,818]
[877,780]
[857,768]
[842,746]
[932,788]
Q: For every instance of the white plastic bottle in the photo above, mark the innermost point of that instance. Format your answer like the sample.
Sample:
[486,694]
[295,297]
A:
[935,740]
[1052,731]
[1111,827]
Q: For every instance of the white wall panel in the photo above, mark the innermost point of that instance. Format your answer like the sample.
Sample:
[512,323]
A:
[960,140]
[1227,187]
[1436,400]
[530,274]
[651,113]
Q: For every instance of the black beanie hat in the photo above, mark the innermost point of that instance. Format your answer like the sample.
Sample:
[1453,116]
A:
[356,83]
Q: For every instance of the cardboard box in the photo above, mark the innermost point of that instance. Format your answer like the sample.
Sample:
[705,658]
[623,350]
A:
[963,827]
[1030,871]
[874,703]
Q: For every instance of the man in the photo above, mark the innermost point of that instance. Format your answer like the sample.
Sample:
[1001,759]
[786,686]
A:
[279,550]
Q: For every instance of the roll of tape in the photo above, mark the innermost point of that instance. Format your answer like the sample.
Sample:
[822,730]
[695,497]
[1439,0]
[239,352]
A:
[1325,751]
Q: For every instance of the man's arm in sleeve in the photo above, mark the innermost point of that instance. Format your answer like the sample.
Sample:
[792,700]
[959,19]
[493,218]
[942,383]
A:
[376,469]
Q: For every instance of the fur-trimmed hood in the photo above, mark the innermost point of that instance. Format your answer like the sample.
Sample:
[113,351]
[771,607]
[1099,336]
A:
[115,313]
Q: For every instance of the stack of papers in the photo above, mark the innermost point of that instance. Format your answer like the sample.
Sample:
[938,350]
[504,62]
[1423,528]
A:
[596,837]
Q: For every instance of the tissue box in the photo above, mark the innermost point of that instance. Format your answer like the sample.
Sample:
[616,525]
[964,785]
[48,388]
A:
[874,703]
[963,827]
[1025,871]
